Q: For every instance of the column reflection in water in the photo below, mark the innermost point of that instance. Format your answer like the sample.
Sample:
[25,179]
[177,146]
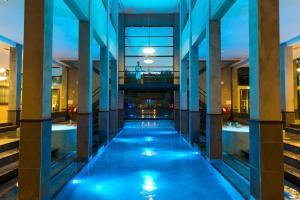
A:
[236,148]
[184,124]
[103,133]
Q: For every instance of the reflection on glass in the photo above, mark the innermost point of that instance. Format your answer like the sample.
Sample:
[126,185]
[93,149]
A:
[150,105]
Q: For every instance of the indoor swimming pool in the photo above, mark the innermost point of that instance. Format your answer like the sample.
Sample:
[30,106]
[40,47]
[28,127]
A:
[148,160]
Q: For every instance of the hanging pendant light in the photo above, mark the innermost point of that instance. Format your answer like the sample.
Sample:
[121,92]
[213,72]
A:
[148,61]
[148,50]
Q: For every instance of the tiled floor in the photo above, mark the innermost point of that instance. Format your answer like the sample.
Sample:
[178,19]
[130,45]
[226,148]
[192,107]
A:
[148,160]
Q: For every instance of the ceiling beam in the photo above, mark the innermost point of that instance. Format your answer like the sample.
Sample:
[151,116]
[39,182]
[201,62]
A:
[220,7]
[80,8]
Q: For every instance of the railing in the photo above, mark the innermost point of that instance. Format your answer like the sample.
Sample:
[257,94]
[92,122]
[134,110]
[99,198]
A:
[149,113]
[148,77]
[202,97]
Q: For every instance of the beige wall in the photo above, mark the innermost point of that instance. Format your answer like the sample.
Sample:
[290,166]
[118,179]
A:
[235,103]
[3,114]
[226,84]
[73,85]
[226,87]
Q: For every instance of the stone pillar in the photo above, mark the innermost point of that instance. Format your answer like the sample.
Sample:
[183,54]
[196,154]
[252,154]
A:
[35,138]
[183,73]
[287,84]
[114,98]
[183,98]
[85,88]
[177,110]
[121,108]
[213,90]
[194,114]
[104,93]
[266,146]
[15,81]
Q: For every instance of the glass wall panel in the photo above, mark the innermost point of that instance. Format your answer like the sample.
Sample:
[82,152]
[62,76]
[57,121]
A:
[148,41]
[149,105]
[138,51]
[158,62]
[146,31]
[151,47]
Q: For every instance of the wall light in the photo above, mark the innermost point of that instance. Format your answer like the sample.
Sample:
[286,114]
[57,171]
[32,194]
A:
[3,78]
[2,70]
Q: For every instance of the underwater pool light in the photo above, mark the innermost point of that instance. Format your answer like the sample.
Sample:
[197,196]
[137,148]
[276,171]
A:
[149,152]
[76,181]
[149,139]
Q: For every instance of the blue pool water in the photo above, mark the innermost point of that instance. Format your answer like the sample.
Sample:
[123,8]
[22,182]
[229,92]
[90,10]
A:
[148,160]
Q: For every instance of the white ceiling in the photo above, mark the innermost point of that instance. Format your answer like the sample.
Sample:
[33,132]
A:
[4,58]
[65,40]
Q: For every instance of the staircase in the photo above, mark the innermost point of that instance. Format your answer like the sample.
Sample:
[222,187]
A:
[9,157]
[5,127]
[292,156]
[202,110]
[293,128]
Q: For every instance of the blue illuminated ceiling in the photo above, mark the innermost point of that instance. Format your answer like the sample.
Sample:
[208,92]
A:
[234,24]
[149,6]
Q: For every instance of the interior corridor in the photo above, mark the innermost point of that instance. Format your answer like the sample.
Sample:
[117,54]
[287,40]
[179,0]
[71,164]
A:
[148,160]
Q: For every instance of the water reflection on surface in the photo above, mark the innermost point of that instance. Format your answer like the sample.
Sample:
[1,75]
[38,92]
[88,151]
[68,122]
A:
[148,160]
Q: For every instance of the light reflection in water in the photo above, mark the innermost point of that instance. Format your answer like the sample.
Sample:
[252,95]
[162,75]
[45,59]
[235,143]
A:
[76,181]
[149,186]
[149,152]
[148,139]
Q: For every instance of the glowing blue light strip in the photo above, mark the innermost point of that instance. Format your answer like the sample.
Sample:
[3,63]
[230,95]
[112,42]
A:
[7,41]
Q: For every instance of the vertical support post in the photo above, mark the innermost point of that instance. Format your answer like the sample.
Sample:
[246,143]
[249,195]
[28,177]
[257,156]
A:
[35,141]
[183,98]
[104,93]
[15,81]
[114,98]
[85,81]
[213,89]
[194,114]
[121,108]
[287,85]
[266,173]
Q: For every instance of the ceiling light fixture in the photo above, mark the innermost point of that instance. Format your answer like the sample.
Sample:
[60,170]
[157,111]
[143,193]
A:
[148,50]
[148,61]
